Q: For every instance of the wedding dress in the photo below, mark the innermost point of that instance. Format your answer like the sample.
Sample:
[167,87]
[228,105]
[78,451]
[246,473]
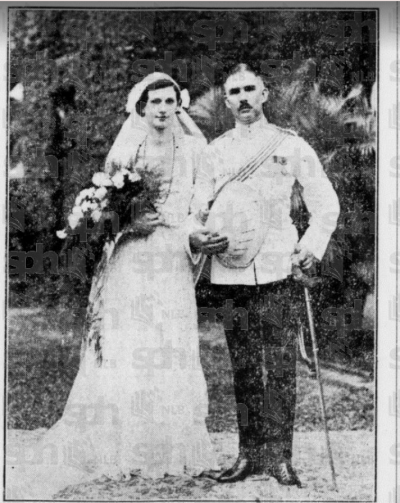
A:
[139,401]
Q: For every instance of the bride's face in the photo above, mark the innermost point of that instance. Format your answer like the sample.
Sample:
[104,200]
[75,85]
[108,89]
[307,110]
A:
[160,108]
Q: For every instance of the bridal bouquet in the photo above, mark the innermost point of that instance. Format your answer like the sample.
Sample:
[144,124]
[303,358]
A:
[111,206]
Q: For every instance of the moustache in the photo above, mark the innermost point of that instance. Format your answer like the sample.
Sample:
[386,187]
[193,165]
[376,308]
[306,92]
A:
[244,106]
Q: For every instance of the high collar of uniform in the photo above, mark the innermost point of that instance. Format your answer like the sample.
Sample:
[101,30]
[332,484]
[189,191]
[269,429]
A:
[251,130]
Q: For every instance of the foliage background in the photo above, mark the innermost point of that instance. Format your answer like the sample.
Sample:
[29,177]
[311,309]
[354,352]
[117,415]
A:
[77,68]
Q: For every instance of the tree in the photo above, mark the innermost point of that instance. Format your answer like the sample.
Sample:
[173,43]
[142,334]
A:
[77,68]
[342,130]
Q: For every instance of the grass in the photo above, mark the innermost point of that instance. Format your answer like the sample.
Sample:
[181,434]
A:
[43,359]
[352,453]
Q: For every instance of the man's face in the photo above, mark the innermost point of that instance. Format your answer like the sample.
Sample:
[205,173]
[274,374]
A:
[244,95]
[160,108]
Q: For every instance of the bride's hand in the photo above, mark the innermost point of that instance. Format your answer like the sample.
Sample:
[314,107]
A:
[208,242]
[151,220]
[147,223]
[202,216]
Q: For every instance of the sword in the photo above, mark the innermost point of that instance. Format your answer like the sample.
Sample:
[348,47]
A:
[309,283]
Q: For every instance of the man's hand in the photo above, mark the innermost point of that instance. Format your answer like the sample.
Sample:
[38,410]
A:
[208,242]
[303,258]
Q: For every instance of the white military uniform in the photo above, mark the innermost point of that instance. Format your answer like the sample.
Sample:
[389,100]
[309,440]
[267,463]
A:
[292,159]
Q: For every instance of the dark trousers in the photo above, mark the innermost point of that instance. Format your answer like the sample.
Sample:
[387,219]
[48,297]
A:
[262,345]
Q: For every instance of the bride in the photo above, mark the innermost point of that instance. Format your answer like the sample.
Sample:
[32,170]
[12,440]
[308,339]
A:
[140,408]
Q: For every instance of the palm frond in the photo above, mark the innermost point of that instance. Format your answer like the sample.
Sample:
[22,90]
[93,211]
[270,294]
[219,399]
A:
[330,123]
[211,114]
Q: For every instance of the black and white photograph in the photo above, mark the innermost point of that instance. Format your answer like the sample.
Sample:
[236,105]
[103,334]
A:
[192,234]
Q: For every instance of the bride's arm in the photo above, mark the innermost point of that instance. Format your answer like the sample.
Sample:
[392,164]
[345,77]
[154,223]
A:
[204,181]
[203,189]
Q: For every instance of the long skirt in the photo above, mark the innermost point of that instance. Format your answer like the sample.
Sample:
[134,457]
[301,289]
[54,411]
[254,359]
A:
[139,401]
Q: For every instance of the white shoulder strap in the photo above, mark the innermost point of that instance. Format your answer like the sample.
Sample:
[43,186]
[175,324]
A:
[255,162]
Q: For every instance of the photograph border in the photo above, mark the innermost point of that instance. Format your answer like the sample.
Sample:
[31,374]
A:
[380,270]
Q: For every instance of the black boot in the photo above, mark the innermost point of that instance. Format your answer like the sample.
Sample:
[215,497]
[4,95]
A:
[239,471]
[245,465]
[209,474]
[233,468]
[285,474]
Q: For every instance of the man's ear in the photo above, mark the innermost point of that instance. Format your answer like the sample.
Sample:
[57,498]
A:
[265,94]
[228,105]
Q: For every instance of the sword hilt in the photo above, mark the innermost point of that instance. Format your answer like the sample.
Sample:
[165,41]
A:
[300,276]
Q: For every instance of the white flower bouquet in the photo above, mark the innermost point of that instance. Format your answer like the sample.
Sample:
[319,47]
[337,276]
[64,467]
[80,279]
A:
[111,206]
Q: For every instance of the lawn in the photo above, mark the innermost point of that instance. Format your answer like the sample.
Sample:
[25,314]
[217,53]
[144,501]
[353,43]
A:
[43,359]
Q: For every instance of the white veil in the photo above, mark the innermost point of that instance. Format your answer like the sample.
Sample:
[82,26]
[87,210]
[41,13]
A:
[134,129]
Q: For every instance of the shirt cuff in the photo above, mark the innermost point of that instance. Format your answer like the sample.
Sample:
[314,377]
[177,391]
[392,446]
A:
[316,242]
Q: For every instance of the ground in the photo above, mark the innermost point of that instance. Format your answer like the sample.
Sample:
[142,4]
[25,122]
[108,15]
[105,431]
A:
[354,463]
[43,360]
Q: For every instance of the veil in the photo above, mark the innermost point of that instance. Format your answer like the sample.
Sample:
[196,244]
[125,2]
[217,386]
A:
[134,130]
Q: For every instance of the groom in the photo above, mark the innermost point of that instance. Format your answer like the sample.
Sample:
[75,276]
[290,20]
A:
[263,353]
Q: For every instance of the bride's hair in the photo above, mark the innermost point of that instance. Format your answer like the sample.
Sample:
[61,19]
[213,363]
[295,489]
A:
[158,84]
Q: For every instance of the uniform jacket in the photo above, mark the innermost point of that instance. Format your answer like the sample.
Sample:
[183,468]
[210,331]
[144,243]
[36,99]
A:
[294,159]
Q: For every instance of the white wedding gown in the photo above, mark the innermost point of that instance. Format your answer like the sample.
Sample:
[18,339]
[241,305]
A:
[142,410]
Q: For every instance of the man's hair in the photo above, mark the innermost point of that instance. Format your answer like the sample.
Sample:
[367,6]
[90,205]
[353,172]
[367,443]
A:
[158,84]
[242,67]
